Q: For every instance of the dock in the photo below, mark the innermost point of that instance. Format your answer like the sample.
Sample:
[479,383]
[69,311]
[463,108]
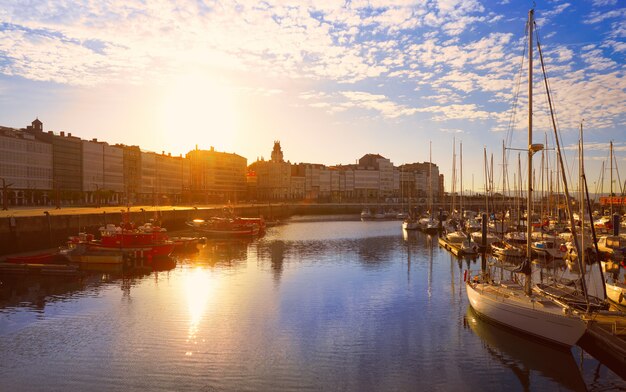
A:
[39,269]
[605,339]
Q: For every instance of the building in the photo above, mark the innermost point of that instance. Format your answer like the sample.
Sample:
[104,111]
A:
[67,175]
[273,177]
[26,168]
[216,176]
[172,177]
[416,179]
[131,162]
[103,172]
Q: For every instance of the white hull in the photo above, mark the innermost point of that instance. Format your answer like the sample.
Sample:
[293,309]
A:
[532,315]
[616,292]
[410,225]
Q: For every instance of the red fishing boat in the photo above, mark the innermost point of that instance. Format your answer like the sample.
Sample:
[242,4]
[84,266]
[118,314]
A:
[145,241]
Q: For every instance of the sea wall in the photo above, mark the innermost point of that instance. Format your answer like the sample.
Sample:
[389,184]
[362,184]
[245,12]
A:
[29,233]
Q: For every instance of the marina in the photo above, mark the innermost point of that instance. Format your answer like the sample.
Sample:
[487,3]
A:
[151,253]
[318,302]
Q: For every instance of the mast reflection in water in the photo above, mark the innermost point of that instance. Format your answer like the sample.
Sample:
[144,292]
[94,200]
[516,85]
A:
[312,305]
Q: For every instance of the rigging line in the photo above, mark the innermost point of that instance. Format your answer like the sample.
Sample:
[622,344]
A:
[513,115]
[579,251]
[553,110]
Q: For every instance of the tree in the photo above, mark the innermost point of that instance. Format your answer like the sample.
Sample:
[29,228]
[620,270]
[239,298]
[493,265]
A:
[5,194]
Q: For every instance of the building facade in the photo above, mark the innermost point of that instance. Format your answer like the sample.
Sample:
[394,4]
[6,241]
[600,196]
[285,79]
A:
[273,177]
[25,168]
[216,176]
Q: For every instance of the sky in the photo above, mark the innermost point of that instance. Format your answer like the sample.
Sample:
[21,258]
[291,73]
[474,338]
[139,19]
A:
[331,80]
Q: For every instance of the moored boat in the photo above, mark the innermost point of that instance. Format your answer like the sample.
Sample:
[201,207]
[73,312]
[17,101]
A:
[459,243]
[228,227]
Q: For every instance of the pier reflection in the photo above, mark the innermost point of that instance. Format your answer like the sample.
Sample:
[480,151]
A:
[525,356]
[35,292]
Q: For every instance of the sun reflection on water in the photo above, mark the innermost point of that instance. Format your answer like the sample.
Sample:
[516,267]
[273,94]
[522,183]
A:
[199,285]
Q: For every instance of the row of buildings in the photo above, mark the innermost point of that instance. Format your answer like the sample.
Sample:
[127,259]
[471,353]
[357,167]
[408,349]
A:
[40,167]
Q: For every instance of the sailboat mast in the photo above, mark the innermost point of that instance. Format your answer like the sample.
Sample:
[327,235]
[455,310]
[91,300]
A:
[453,175]
[582,196]
[611,180]
[430,180]
[461,179]
[528,284]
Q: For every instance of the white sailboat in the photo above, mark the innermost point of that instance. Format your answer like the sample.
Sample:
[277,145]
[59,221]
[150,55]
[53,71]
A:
[430,224]
[507,302]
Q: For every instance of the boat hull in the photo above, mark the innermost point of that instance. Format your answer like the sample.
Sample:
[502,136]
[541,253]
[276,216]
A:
[616,293]
[526,315]
[410,225]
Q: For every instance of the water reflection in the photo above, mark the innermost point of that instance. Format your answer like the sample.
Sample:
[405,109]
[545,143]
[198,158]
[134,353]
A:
[310,306]
[199,288]
[223,252]
[525,356]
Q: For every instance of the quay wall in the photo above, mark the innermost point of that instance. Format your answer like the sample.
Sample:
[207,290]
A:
[35,232]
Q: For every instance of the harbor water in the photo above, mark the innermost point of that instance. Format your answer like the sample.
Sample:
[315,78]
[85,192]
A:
[317,303]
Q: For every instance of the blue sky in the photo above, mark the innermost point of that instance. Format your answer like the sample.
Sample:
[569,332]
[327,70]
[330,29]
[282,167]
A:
[331,80]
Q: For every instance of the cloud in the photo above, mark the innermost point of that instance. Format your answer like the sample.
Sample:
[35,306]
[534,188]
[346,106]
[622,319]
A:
[451,59]
[599,16]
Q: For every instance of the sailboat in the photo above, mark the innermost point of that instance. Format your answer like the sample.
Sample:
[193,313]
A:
[430,224]
[507,301]
[409,222]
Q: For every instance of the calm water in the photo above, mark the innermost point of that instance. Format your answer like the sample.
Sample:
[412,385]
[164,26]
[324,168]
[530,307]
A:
[313,305]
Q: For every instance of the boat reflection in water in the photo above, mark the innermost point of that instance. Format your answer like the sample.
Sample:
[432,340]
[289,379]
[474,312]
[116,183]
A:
[221,252]
[527,358]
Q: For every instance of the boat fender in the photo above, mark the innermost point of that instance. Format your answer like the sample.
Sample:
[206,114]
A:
[465,276]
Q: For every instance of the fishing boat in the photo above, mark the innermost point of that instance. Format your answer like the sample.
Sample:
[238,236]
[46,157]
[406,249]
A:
[186,244]
[506,301]
[225,227]
[147,241]
[41,258]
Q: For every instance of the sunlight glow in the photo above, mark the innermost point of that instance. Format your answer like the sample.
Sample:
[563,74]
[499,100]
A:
[199,287]
[202,108]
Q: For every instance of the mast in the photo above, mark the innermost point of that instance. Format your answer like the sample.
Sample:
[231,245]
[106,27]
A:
[611,180]
[486,181]
[581,173]
[453,175]
[461,179]
[430,180]
[527,283]
[565,187]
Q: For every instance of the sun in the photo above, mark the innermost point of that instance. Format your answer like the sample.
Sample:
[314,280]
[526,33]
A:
[198,109]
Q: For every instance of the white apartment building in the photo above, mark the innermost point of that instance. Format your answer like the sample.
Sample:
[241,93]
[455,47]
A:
[103,171]
[25,164]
